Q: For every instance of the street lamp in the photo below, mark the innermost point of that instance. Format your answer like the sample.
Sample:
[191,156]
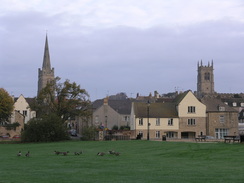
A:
[148,124]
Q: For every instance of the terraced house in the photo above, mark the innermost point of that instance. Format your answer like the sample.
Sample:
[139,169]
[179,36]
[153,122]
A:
[183,117]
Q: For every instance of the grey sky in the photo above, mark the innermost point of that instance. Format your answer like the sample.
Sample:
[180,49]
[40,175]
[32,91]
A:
[131,46]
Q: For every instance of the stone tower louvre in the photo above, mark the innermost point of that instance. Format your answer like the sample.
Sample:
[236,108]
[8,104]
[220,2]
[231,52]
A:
[205,80]
[46,74]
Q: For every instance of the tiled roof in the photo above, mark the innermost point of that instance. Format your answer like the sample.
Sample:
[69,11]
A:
[156,110]
[213,105]
[239,101]
[180,97]
[28,100]
[121,106]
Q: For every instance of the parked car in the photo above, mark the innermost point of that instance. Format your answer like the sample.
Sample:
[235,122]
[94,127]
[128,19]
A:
[16,137]
[4,137]
[73,132]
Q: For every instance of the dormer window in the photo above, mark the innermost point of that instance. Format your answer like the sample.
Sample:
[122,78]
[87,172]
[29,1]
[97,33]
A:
[221,108]
[234,104]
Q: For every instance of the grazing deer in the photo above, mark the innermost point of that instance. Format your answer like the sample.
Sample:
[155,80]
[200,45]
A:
[116,153]
[27,154]
[19,153]
[100,153]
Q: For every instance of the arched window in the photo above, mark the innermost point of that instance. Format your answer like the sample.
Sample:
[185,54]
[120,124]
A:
[207,76]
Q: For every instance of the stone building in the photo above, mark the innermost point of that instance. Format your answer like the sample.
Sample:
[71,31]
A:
[183,117]
[109,113]
[205,80]
[22,105]
[222,119]
[46,74]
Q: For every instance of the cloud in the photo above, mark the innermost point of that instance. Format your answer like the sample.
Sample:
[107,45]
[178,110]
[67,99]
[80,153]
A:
[134,48]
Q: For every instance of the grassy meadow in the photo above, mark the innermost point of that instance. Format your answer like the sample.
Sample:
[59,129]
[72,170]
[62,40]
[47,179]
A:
[140,161]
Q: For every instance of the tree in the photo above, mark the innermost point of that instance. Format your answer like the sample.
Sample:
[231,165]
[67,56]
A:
[88,133]
[49,128]
[66,100]
[6,105]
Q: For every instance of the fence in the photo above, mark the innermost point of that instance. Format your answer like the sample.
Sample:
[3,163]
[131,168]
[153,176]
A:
[116,137]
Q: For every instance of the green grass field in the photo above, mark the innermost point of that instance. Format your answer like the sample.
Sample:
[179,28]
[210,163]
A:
[140,161]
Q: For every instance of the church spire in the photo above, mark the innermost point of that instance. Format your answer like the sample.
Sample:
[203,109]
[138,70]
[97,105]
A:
[46,74]
[46,65]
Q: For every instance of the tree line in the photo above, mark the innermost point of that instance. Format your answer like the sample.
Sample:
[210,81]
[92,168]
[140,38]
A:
[54,105]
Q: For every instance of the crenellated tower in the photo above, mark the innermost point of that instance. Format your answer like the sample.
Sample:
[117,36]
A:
[205,80]
[46,74]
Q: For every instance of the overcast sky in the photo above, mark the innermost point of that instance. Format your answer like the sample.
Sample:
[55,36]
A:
[131,46]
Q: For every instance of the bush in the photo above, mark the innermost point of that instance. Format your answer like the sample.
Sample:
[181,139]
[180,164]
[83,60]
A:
[126,127]
[115,127]
[47,129]
[88,133]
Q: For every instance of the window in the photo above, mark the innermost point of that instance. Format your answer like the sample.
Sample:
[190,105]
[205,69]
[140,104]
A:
[207,76]
[170,122]
[157,134]
[141,121]
[170,135]
[126,118]
[25,113]
[221,132]
[221,119]
[221,108]
[157,121]
[96,119]
[141,134]
[191,121]
[234,104]
[242,104]
[191,109]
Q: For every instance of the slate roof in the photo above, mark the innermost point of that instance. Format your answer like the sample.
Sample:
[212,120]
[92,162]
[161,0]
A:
[28,100]
[180,97]
[121,106]
[156,110]
[230,101]
[213,104]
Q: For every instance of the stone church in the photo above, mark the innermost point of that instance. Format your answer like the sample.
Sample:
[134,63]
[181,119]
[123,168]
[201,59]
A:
[223,112]
[46,74]
[205,80]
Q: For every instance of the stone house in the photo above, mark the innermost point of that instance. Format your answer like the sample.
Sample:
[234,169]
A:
[183,117]
[22,105]
[235,101]
[109,113]
[153,120]
[221,119]
[19,118]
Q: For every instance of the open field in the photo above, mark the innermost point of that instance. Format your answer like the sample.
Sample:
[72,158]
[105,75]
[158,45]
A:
[140,161]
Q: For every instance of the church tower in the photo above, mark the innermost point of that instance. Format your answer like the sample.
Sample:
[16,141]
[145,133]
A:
[46,74]
[205,80]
